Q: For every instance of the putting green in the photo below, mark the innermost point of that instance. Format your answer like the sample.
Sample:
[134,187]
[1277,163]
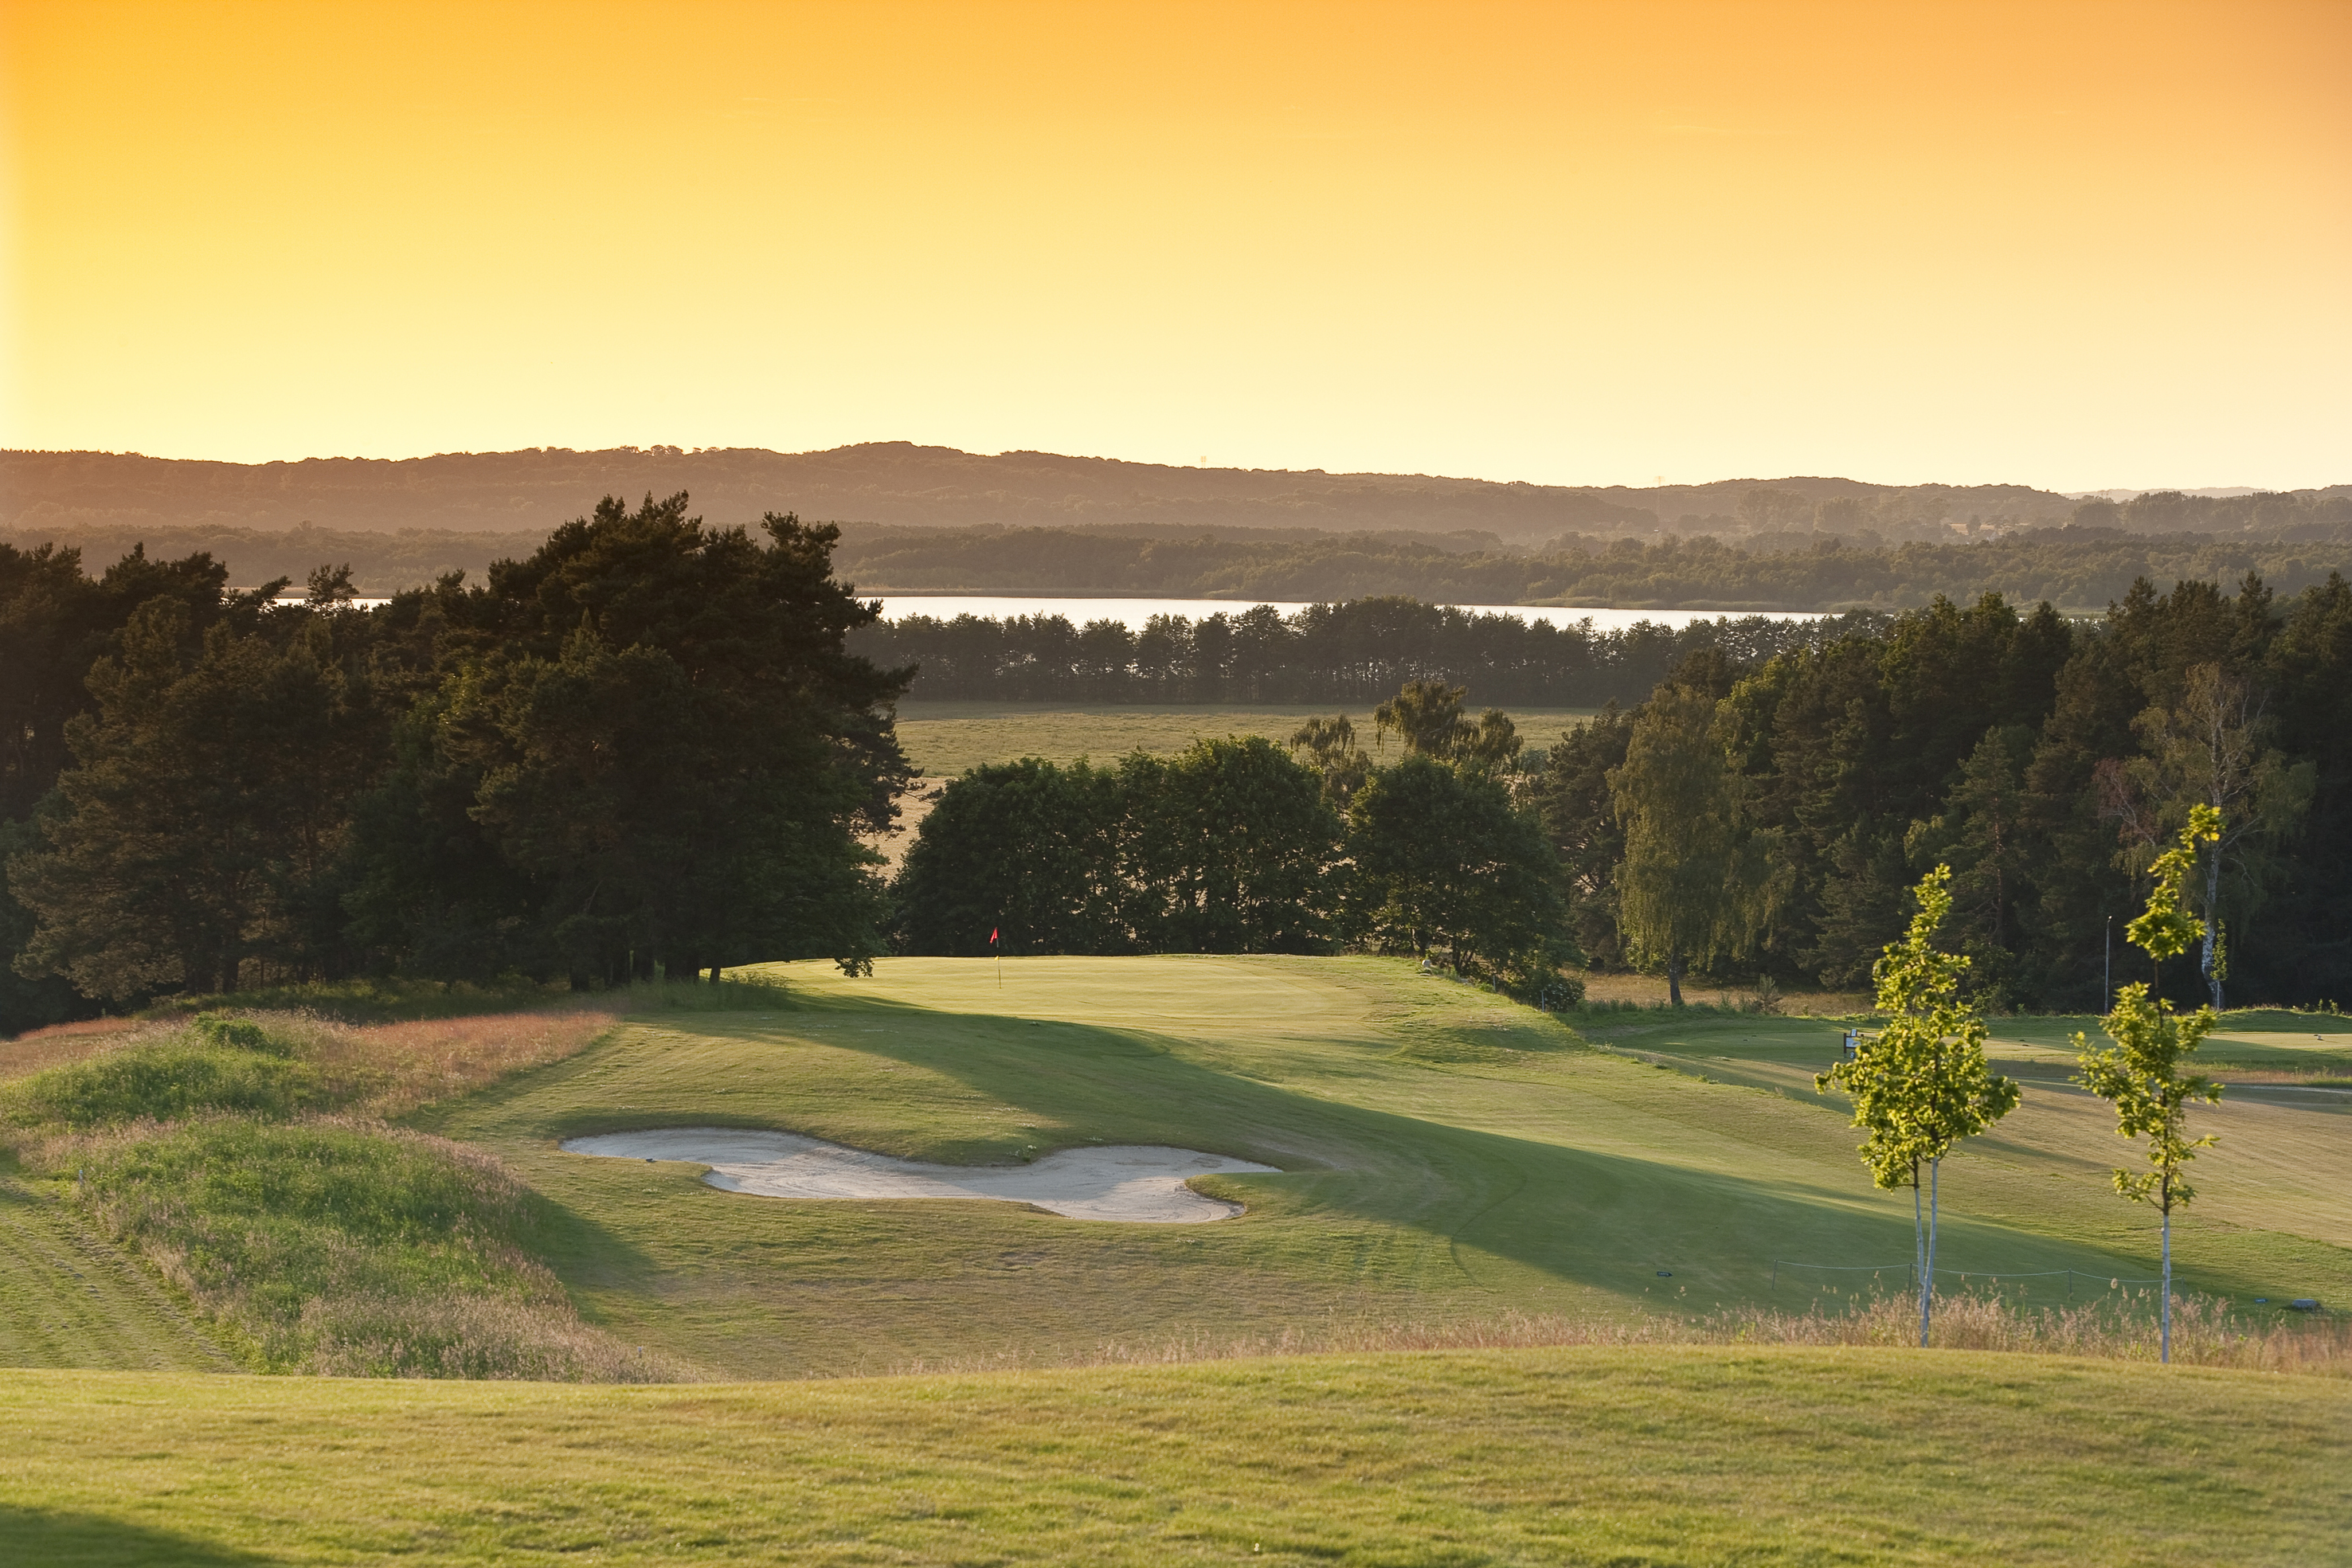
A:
[1445,1153]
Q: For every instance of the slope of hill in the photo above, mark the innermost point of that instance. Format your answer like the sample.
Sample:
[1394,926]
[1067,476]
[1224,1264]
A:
[928,486]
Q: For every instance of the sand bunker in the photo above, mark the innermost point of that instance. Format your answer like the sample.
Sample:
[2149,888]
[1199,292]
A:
[1130,1183]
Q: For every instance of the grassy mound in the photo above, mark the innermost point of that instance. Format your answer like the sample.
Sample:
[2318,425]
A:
[308,1241]
[349,1249]
[1640,1456]
[215,1064]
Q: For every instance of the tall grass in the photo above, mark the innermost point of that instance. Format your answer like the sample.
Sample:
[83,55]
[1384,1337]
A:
[2206,1332]
[209,1066]
[311,1241]
[335,1244]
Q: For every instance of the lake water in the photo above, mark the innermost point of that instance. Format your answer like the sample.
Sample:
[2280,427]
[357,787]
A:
[1134,612]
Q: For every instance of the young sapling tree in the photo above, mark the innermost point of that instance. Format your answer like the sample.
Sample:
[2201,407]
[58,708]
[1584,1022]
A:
[2141,1071]
[1921,1084]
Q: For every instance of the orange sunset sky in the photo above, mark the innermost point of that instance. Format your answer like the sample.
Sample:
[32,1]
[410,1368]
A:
[2074,245]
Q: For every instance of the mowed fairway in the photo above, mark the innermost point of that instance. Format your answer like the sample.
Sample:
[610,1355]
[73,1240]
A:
[1446,1154]
[1685,1458]
[2273,1215]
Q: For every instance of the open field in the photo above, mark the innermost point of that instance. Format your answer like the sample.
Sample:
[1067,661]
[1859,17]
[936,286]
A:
[946,738]
[1578,1456]
[943,739]
[1446,1155]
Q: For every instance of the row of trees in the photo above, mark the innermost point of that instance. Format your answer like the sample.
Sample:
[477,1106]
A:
[1240,846]
[1770,818]
[1357,651]
[642,747]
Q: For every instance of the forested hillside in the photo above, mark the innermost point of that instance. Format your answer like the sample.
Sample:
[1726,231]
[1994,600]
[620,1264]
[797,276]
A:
[2079,569]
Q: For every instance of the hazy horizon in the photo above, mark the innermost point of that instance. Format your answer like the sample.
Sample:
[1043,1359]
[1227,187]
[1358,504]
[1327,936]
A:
[2110,491]
[1573,244]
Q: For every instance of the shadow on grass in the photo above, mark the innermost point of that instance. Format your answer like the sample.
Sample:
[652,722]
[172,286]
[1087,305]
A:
[58,1540]
[1604,1219]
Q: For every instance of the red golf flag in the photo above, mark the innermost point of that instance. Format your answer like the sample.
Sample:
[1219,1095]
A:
[992,936]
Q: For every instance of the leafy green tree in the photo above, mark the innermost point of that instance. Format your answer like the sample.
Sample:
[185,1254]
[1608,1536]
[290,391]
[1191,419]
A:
[1427,716]
[668,742]
[1443,859]
[1331,751]
[1981,833]
[1684,893]
[2208,748]
[201,825]
[1572,796]
[1920,1084]
[1231,847]
[1030,850]
[2141,1071]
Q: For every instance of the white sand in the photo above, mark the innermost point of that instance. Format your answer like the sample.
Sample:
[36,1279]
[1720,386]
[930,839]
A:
[1136,1184]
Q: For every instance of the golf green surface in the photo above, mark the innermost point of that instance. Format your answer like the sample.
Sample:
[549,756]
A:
[1445,1154]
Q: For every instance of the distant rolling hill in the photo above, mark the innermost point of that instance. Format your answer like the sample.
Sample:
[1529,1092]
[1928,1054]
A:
[900,484]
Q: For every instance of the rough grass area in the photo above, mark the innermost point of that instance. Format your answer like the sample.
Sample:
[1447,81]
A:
[347,1248]
[1640,1456]
[2205,1333]
[302,1241]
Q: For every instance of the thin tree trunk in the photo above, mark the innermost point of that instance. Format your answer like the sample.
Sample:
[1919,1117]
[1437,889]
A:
[1919,1252]
[1928,1288]
[1675,979]
[2213,921]
[2164,1332]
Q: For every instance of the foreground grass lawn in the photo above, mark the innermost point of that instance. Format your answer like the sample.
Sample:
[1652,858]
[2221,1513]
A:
[1445,1154]
[1643,1457]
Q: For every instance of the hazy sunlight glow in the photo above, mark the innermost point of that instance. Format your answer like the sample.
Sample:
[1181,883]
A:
[2064,245]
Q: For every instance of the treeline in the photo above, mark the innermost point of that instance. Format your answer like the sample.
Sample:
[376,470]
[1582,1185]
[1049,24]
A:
[1325,652]
[2077,568]
[381,563]
[1769,818]
[641,748]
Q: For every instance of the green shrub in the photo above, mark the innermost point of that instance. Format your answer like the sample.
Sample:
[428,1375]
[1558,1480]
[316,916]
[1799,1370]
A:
[237,1034]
